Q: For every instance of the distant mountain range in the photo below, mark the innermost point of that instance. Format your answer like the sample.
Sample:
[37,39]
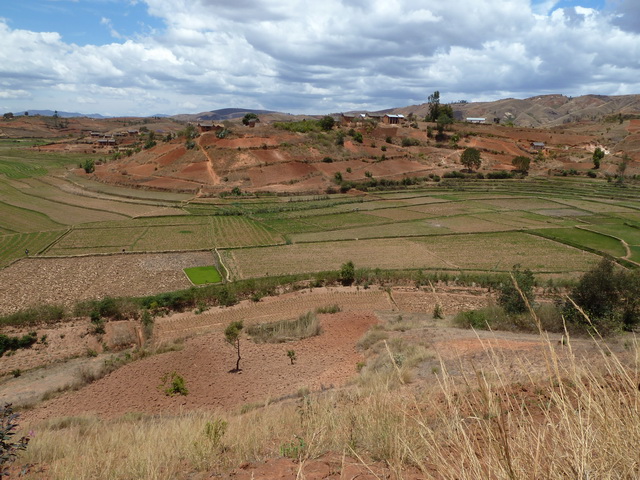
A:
[541,110]
[49,113]
[220,115]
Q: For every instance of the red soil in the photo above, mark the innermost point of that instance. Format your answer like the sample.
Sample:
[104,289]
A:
[143,170]
[262,176]
[172,184]
[172,154]
[205,362]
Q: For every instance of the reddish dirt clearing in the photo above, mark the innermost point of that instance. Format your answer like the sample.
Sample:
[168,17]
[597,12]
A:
[326,360]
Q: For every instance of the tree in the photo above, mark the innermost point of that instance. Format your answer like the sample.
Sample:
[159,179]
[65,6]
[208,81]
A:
[609,296]
[232,337]
[347,273]
[521,163]
[434,107]
[598,155]
[189,132]
[470,158]
[7,116]
[151,140]
[596,294]
[89,165]
[248,117]
[621,170]
[326,123]
[510,298]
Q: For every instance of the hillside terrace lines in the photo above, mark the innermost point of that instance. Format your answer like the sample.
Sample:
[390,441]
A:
[270,309]
[130,206]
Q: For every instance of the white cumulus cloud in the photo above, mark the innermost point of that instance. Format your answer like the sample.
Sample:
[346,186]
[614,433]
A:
[317,57]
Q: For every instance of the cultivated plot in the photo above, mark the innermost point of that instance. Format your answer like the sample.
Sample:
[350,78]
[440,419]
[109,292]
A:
[153,235]
[485,252]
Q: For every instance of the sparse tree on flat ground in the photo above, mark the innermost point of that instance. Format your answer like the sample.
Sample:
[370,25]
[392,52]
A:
[232,337]
[470,158]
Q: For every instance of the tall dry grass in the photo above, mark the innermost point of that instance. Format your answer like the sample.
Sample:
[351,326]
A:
[580,418]
[305,326]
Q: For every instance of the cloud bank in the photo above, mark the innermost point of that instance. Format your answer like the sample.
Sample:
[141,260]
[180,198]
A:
[330,56]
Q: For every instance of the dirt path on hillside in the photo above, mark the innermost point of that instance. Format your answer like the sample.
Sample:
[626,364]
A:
[215,178]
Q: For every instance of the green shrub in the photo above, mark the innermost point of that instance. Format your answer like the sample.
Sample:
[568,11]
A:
[34,316]
[8,343]
[499,175]
[347,273]
[226,297]
[292,356]
[410,142]
[472,319]
[89,165]
[335,308]
[173,384]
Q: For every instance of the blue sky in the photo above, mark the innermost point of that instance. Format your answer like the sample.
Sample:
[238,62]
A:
[140,57]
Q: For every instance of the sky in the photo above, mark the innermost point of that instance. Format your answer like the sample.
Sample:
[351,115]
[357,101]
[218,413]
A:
[146,57]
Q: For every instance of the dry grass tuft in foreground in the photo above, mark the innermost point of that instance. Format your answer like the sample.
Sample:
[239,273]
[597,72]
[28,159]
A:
[581,419]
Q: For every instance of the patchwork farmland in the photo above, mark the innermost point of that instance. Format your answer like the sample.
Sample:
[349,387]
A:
[557,227]
[551,225]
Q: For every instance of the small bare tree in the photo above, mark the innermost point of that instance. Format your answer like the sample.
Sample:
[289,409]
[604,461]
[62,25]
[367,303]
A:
[232,337]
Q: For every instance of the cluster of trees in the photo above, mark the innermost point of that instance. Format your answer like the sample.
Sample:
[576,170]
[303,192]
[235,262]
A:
[441,114]
[606,297]
[249,117]
[605,300]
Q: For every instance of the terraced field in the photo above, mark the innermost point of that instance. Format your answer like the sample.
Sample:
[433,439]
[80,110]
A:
[555,226]
[496,252]
[168,234]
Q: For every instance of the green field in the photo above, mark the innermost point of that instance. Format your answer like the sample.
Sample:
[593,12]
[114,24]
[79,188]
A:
[203,275]
[554,225]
